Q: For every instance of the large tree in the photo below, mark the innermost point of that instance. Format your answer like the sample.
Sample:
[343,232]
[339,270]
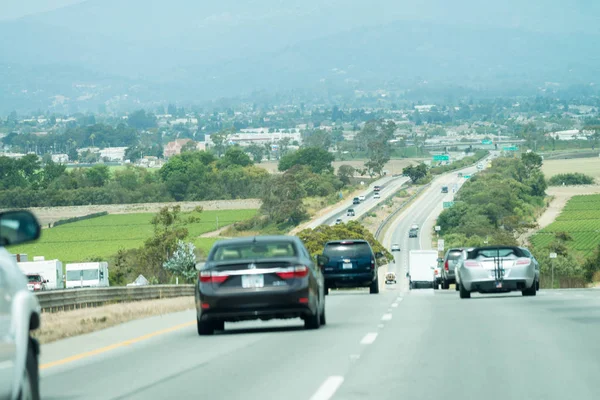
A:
[319,160]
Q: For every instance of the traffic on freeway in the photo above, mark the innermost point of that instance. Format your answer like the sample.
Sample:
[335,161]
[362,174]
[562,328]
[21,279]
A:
[256,297]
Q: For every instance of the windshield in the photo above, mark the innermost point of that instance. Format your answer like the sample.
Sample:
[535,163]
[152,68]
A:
[85,274]
[34,278]
[245,251]
[347,250]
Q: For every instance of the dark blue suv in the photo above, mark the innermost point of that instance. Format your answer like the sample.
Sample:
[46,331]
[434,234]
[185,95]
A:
[349,263]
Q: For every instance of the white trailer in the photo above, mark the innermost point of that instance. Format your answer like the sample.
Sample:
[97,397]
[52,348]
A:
[50,270]
[421,268]
[88,274]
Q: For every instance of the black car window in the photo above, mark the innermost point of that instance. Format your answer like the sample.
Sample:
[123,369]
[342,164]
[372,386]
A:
[347,250]
[250,250]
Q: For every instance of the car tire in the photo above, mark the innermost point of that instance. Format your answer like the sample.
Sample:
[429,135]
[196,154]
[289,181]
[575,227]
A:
[537,285]
[530,291]
[205,328]
[30,385]
[219,325]
[464,294]
[326,290]
[445,285]
[456,286]
[313,321]
[322,318]
[434,285]
[374,288]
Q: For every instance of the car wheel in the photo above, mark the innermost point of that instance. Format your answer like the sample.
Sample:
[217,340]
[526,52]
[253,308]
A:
[456,286]
[326,290]
[219,325]
[322,319]
[445,285]
[537,285]
[30,384]
[313,321]
[205,327]
[464,294]
[374,288]
[530,291]
[434,285]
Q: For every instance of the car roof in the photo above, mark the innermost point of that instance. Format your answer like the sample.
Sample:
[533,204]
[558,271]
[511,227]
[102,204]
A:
[258,239]
[345,241]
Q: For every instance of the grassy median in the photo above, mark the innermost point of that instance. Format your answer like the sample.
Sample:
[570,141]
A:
[64,324]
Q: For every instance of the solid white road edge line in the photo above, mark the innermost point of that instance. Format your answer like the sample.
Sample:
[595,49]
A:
[386,317]
[369,338]
[328,388]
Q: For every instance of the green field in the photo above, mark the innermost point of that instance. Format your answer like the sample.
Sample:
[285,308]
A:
[581,219]
[104,236]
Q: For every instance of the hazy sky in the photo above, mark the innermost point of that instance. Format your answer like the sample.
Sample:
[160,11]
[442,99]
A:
[17,8]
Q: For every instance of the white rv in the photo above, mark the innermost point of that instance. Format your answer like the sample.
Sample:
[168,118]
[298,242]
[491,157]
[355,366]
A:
[49,270]
[421,268]
[89,274]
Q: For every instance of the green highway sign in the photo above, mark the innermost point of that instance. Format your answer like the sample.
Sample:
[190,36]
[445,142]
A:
[466,176]
[486,142]
[441,157]
[511,148]
[448,204]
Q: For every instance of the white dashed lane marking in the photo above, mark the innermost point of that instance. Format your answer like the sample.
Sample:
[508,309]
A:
[386,317]
[328,388]
[369,338]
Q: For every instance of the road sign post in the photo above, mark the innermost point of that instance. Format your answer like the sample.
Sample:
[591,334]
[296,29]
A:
[552,257]
[440,245]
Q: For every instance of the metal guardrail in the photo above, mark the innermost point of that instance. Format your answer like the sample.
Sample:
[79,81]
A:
[68,299]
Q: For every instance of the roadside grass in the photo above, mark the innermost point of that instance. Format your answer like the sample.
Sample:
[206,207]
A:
[64,324]
[587,166]
[104,236]
[581,219]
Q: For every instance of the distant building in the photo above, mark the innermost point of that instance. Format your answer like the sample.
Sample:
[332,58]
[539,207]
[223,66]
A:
[113,153]
[60,158]
[174,148]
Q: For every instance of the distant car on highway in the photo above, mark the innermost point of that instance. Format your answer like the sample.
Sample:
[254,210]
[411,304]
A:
[415,227]
[449,262]
[19,312]
[376,188]
[356,200]
[497,269]
[361,197]
[350,263]
[338,221]
[413,233]
[444,189]
[350,212]
[261,277]
[376,195]
[395,247]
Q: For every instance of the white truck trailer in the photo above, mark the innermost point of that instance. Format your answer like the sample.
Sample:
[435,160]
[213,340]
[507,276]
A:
[87,274]
[50,270]
[421,268]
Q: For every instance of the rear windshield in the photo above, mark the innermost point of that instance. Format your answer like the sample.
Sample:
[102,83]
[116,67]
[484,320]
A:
[347,250]
[454,255]
[245,251]
[508,252]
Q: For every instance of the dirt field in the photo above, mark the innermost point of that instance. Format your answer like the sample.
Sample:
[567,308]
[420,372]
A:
[588,166]
[47,215]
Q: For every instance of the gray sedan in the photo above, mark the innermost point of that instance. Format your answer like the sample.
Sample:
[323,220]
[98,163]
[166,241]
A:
[497,269]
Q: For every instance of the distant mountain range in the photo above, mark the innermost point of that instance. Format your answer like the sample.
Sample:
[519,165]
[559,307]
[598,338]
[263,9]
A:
[141,51]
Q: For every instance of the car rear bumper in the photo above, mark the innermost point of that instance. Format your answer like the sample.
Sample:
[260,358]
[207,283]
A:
[255,305]
[480,279]
[361,279]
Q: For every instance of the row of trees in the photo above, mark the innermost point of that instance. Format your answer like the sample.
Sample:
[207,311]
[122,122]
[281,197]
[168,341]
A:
[497,204]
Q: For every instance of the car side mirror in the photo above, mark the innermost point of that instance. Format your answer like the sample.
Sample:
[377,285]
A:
[18,227]
[322,260]
[200,265]
[379,254]
[440,260]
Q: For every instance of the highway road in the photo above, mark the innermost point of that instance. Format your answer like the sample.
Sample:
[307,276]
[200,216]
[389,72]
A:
[420,344]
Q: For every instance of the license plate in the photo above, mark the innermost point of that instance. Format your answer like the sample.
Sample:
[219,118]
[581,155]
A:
[347,266]
[253,281]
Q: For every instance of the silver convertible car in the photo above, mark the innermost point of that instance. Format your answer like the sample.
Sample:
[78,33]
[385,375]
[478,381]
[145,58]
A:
[497,269]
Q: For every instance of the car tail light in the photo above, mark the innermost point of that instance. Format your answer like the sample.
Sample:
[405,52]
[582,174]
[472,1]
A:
[472,264]
[446,266]
[299,271]
[303,300]
[523,261]
[205,306]
[215,277]
[372,263]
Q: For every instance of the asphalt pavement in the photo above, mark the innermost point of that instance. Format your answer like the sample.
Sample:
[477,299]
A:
[420,344]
